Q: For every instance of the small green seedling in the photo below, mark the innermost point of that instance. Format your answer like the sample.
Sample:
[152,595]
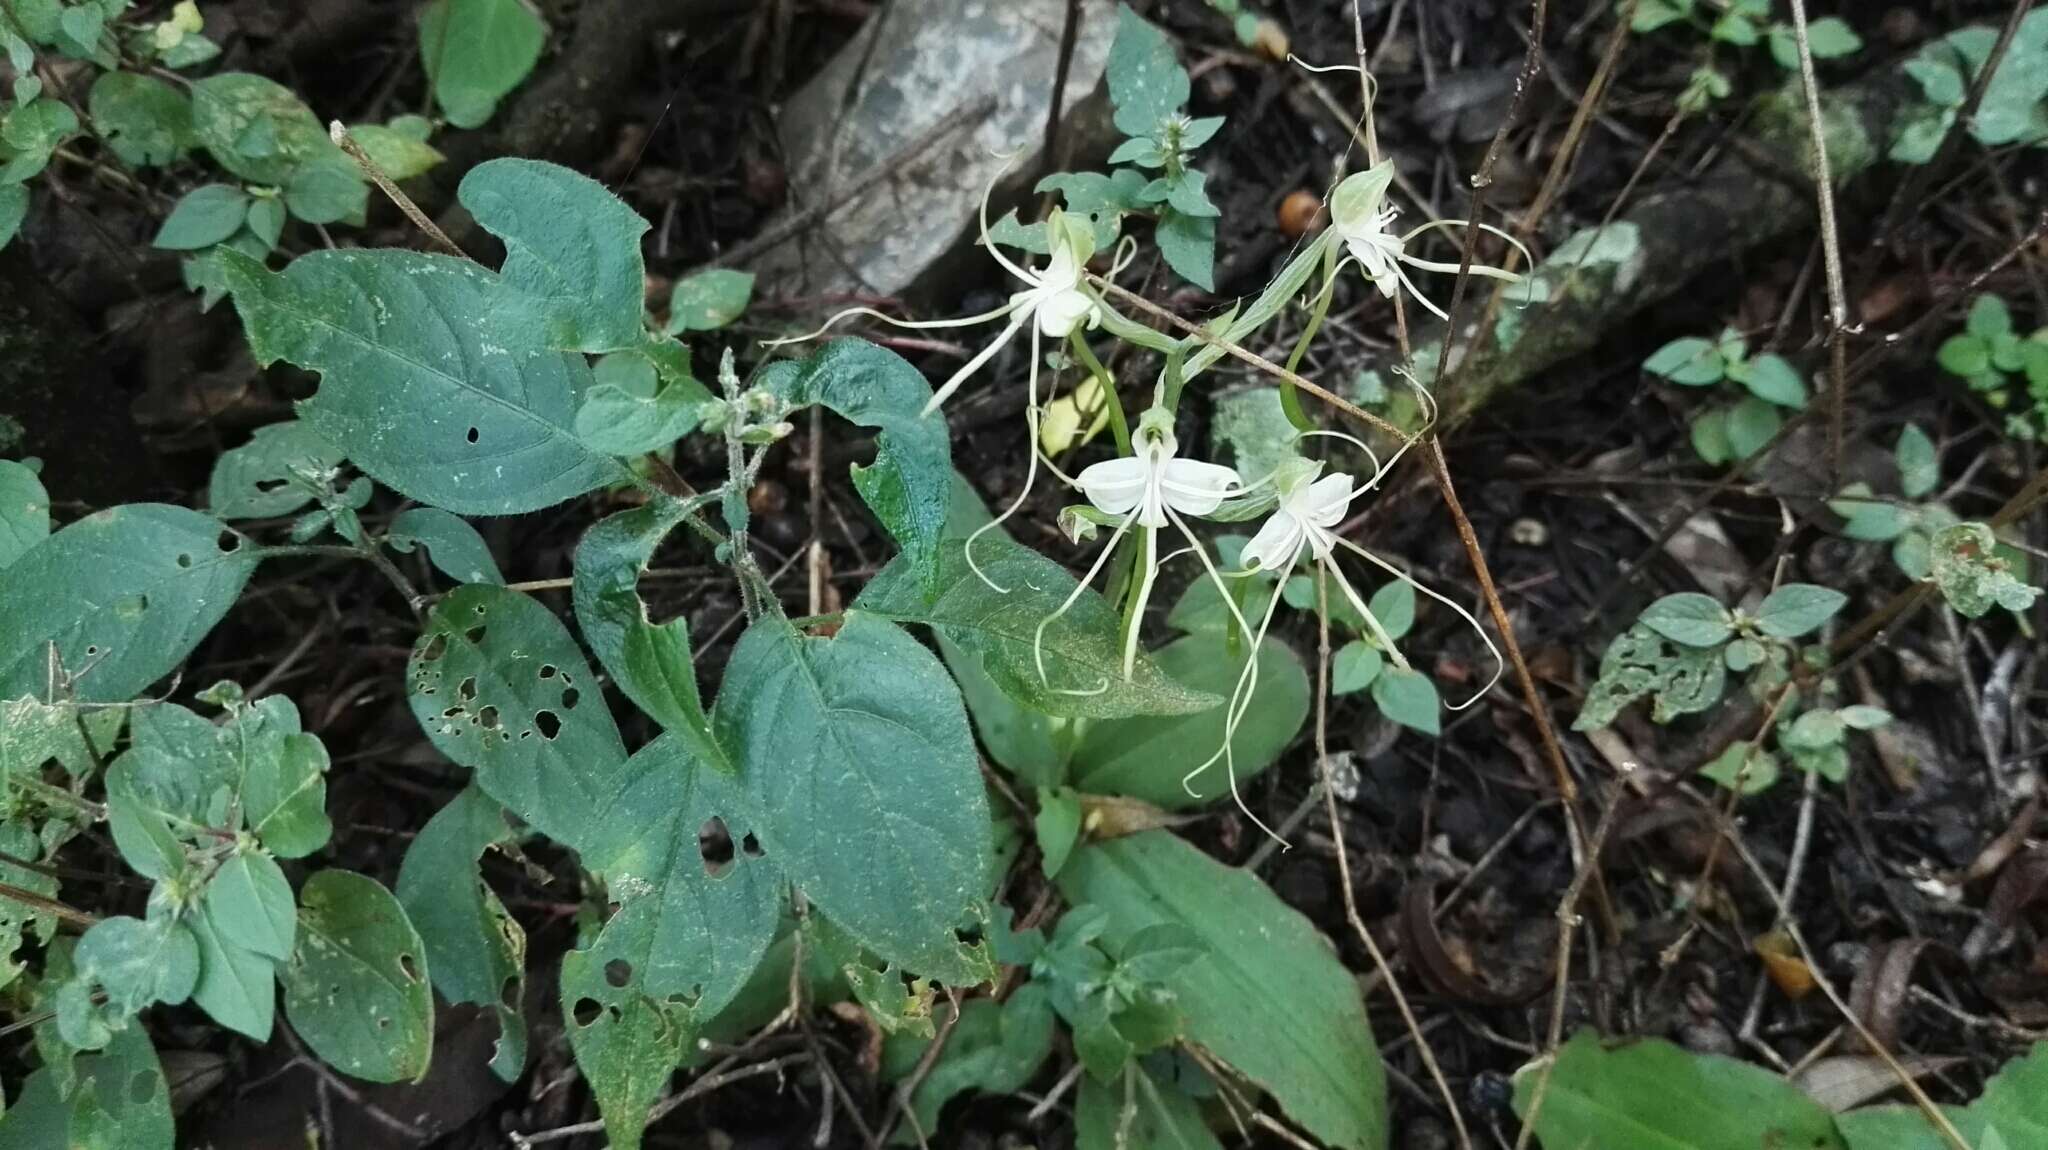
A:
[1738,429]
[1739,24]
[2008,369]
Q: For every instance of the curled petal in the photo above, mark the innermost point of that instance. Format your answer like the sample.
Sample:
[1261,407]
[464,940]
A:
[1116,486]
[1277,543]
[1192,487]
[1323,503]
[1059,312]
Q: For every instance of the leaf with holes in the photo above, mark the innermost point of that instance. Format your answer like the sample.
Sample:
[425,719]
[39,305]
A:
[120,966]
[1146,757]
[436,378]
[650,663]
[570,244]
[500,687]
[124,594]
[627,1045]
[476,951]
[451,543]
[24,511]
[356,988]
[1080,651]
[910,484]
[476,51]
[1966,562]
[144,120]
[114,1100]
[1268,996]
[857,756]
[273,474]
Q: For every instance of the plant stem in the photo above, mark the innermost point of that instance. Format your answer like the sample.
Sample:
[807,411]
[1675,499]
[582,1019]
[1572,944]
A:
[1112,403]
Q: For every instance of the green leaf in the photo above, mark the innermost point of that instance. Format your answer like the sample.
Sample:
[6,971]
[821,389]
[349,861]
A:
[13,210]
[1798,609]
[1989,317]
[1146,757]
[434,381]
[1394,606]
[184,777]
[651,664]
[1058,827]
[1690,618]
[475,949]
[1727,769]
[1867,518]
[1017,738]
[1734,28]
[627,1045]
[145,121]
[397,153]
[2013,1109]
[1965,355]
[272,475]
[251,902]
[1830,37]
[1654,14]
[910,484]
[1684,680]
[1410,699]
[205,216]
[125,594]
[237,988]
[499,686]
[327,191]
[570,244]
[637,407]
[1137,1113]
[856,754]
[709,300]
[1710,436]
[117,1100]
[356,988]
[258,129]
[122,965]
[32,133]
[1774,380]
[1269,996]
[266,220]
[994,1048]
[1966,566]
[476,52]
[1692,361]
[1919,468]
[451,543]
[1752,423]
[1081,651]
[1668,1099]
[1146,82]
[1354,667]
[24,511]
[1189,245]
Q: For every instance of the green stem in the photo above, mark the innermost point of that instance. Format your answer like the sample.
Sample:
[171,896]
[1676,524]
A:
[1290,396]
[1111,401]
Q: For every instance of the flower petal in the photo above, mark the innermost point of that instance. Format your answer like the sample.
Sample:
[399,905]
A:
[1277,543]
[1060,311]
[1193,487]
[1115,486]
[1324,502]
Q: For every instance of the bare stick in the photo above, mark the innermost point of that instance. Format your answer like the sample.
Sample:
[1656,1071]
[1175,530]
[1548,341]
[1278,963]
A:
[1831,249]
[338,131]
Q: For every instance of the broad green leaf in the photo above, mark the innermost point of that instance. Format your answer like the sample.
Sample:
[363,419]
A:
[476,951]
[1269,996]
[1684,680]
[356,988]
[144,120]
[994,1048]
[643,401]
[1020,740]
[257,128]
[1138,1113]
[1354,667]
[397,153]
[13,210]
[1189,245]
[124,594]
[1146,82]
[1146,757]
[1410,699]
[910,484]
[451,543]
[122,965]
[1692,361]
[1751,424]
[500,686]
[691,924]
[1797,609]
[1774,380]
[434,377]
[709,300]
[1868,518]
[251,902]
[1690,618]
[24,511]
[327,190]
[1966,564]
[627,1045]
[117,1100]
[205,216]
[185,777]
[569,244]
[856,754]
[272,475]
[1080,652]
[650,663]
[2013,1109]
[237,987]
[32,132]
[476,51]
[1666,1098]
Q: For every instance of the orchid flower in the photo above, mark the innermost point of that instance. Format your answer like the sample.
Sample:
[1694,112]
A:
[1152,488]
[1363,222]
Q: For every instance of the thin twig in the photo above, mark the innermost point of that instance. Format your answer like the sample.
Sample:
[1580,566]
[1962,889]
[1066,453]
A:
[1831,249]
[49,906]
[690,1093]
[347,143]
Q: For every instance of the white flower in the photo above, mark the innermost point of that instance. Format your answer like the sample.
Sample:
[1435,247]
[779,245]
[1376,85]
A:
[1306,516]
[1055,296]
[1364,220]
[1154,481]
